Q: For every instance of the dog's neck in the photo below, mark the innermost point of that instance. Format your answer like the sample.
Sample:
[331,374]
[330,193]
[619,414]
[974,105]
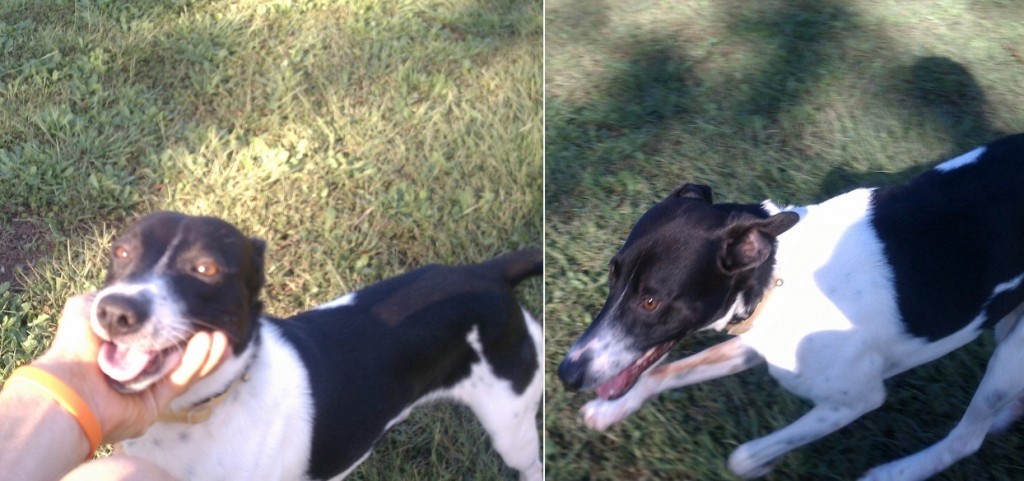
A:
[200,400]
[740,324]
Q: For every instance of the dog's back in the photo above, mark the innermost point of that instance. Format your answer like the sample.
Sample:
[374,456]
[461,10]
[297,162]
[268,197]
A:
[375,353]
[952,235]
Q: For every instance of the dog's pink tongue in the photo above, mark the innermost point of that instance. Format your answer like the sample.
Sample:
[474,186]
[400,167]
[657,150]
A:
[625,379]
[617,385]
[123,364]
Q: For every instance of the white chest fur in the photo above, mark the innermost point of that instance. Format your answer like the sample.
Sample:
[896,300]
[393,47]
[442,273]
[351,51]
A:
[240,440]
[838,305]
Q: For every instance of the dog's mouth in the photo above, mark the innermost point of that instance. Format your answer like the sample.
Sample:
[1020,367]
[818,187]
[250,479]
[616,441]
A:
[132,368]
[622,382]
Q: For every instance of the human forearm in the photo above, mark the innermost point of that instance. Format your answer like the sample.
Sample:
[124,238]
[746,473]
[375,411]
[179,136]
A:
[49,442]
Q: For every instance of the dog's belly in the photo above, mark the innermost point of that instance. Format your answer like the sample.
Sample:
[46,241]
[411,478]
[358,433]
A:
[262,430]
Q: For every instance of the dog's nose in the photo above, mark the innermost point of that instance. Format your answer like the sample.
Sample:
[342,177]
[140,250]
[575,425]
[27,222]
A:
[572,372]
[121,314]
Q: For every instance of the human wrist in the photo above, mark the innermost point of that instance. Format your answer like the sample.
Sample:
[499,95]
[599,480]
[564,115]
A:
[29,380]
[50,441]
[81,377]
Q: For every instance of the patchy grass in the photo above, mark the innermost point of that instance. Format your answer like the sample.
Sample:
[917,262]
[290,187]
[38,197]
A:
[359,138]
[793,100]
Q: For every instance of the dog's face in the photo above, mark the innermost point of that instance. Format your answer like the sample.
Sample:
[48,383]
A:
[169,276]
[686,264]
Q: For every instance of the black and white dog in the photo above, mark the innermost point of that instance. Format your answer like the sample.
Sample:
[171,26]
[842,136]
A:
[308,396]
[846,293]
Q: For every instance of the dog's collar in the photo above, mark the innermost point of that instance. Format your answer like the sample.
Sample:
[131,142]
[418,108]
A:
[739,326]
[201,411]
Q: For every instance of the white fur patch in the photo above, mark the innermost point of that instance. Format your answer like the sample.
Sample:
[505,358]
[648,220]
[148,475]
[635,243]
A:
[241,439]
[957,162]
[824,261]
[346,300]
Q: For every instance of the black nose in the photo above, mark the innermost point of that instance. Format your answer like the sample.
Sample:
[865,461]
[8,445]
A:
[572,372]
[122,314]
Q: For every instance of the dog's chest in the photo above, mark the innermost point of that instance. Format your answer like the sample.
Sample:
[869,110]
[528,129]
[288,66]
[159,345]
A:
[836,293]
[261,430]
[838,303]
[828,265]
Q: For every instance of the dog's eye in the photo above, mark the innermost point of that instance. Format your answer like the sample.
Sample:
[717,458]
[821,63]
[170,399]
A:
[649,303]
[206,268]
[120,252]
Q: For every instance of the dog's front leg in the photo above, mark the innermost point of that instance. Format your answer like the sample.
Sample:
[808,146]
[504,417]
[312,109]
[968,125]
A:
[842,392]
[757,458]
[723,359]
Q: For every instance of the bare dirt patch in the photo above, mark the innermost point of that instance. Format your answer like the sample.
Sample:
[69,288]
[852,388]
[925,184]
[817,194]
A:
[21,242]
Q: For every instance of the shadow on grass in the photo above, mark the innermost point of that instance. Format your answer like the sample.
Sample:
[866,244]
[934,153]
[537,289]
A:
[650,86]
[658,88]
[938,92]
[799,39]
[717,90]
[656,85]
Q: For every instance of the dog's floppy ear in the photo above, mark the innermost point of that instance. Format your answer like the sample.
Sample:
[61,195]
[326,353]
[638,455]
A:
[256,278]
[692,191]
[749,244]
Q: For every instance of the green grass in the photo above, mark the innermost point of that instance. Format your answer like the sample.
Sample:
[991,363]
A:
[358,138]
[793,100]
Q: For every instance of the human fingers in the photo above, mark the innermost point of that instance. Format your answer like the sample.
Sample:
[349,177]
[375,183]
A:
[196,353]
[218,348]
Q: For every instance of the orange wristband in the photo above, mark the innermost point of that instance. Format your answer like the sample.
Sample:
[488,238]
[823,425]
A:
[66,397]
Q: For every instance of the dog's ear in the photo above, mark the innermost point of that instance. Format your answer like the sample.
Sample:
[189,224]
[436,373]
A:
[256,277]
[692,191]
[749,244]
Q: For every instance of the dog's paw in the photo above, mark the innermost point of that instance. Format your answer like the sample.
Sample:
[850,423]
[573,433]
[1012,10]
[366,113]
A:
[1007,416]
[877,474]
[888,472]
[599,414]
[744,463]
[534,473]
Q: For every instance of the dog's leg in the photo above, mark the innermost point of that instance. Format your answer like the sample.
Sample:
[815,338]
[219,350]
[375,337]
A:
[1013,410]
[723,359]
[842,390]
[757,458]
[1001,386]
[511,424]
[509,418]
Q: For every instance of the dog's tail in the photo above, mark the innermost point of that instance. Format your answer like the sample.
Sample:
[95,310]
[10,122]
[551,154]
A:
[518,265]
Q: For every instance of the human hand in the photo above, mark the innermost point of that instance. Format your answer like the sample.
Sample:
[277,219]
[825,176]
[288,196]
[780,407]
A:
[72,358]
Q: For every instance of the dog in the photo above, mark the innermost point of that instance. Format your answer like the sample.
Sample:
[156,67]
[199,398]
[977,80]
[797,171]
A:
[834,297]
[307,397]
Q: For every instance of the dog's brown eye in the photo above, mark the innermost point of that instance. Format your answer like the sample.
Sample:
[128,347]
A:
[649,303]
[120,252]
[206,268]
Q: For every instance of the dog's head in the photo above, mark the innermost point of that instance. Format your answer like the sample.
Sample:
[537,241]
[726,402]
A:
[687,264]
[171,275]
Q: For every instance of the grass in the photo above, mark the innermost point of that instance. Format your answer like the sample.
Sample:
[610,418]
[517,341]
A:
[358,138]
[792,100]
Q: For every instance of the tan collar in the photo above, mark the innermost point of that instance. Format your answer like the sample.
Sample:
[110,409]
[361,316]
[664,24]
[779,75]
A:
[744,325]
[200,412]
